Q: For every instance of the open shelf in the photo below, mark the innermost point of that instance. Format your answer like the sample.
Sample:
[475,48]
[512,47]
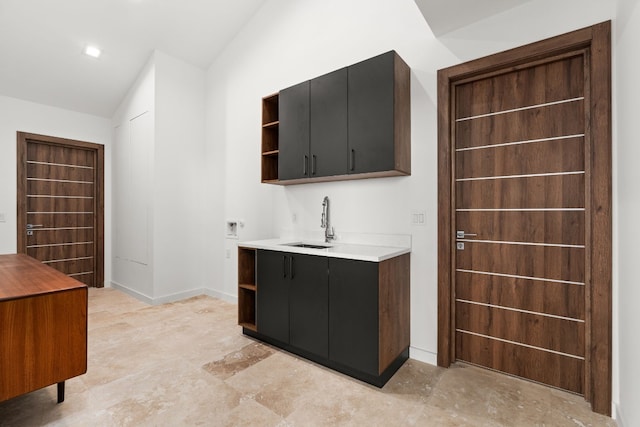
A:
[269,146]
[247,288]
[270,109]
[269,139]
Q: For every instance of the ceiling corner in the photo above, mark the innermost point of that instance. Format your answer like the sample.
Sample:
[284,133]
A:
[444,16]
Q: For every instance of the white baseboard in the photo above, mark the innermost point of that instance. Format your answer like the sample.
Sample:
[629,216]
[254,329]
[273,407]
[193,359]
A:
[137,295]
[617,414]
[158,300]
[221,295]
[422,355]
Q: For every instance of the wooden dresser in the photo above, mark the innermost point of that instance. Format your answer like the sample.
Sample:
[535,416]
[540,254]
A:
[43,327]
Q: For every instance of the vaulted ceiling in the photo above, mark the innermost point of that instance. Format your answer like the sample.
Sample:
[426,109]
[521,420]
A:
[41,41]
[41,44]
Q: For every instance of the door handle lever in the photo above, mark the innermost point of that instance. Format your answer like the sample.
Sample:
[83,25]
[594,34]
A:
[460,234]
[30,228]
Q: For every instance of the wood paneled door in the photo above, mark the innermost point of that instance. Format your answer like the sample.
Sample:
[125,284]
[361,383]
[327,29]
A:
[525,208]
[61,205]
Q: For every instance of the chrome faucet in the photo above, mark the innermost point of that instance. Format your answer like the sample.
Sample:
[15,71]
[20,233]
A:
[329,234]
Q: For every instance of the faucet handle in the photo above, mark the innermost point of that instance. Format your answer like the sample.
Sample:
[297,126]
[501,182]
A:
[331,234]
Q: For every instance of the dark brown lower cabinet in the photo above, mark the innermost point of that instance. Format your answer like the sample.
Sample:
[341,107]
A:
[308,304]
[351,316]
[272,300]
[353,328]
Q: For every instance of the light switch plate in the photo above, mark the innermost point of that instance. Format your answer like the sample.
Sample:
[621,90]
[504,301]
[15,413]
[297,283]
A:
[3,218]
[418,218]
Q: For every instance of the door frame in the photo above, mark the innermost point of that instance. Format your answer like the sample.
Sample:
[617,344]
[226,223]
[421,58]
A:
[98,149]
[596,41]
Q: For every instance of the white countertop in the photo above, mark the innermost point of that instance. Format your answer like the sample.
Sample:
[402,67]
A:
[337,250]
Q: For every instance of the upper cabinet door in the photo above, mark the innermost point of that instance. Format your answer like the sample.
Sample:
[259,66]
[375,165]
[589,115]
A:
[371,115]
[328,124]
[294,161]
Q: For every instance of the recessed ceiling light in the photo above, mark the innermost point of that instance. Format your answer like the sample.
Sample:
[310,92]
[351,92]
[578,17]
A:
[92,51]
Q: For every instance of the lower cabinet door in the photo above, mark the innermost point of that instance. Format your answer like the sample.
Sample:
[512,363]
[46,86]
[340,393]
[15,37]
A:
[308,304]
[273,295]
[353,314]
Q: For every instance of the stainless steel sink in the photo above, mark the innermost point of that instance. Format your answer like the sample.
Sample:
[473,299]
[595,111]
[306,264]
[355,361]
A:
[308,245]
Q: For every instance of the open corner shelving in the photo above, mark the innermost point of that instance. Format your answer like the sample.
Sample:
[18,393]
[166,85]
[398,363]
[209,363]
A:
[270,151]
[247,288]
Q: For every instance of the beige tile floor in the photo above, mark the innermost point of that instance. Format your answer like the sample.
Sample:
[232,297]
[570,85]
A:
[187,363]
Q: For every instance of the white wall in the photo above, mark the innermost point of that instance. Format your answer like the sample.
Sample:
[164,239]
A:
[134,128]
[627,208]
[289,41]
[18,115]
[214,187]
[158,168]
[178,183]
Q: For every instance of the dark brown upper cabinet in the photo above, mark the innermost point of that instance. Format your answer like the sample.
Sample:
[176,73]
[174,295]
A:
[352,123]
[293,162]
[375,119]
[328,126]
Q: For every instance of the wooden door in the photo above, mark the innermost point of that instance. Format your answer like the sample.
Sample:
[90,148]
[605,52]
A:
[529,214]
[520,197]
[60,205]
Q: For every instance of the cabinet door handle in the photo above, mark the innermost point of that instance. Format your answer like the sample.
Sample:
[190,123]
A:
[353,159]
[305,164]
[291,267]
[284,266]
[314,160]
